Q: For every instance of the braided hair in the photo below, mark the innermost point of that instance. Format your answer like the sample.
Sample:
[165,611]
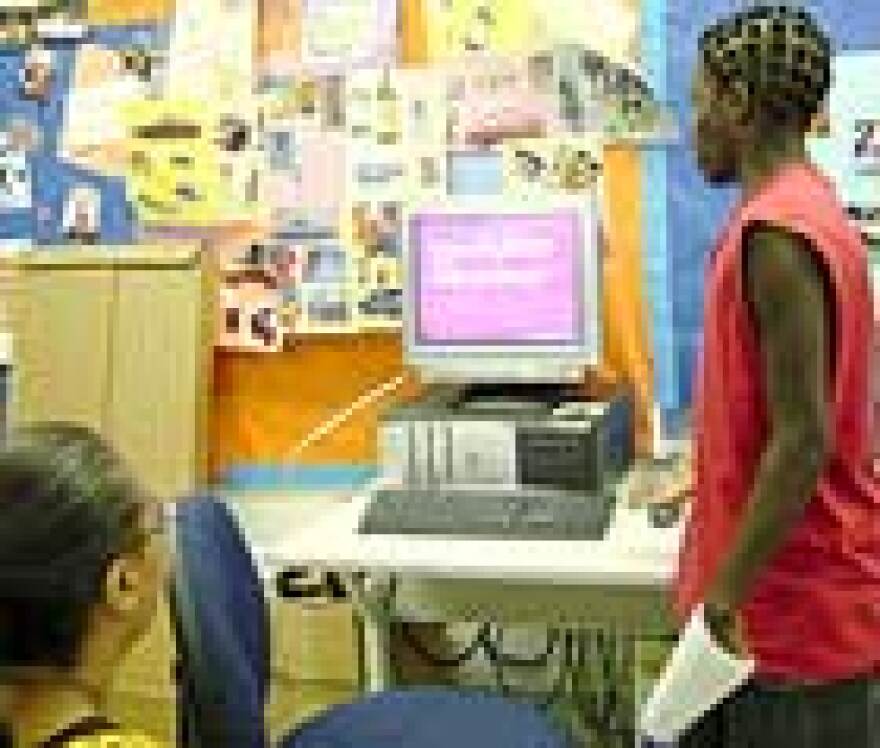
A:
[775,58]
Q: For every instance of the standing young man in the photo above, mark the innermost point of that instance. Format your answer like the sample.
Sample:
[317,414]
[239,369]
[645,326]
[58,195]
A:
[783,544]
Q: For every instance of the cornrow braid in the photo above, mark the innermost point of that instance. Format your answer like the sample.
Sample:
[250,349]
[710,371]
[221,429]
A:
[776,58]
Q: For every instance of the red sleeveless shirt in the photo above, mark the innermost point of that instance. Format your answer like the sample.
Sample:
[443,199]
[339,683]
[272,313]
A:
[813,614]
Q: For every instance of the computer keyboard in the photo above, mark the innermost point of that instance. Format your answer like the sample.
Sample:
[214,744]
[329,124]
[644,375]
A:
[515,514]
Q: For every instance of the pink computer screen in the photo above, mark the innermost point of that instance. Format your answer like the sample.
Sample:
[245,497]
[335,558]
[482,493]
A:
[498,278]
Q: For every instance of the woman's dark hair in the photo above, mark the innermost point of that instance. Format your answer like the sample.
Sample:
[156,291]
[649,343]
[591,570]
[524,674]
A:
[775,57]
[68,506]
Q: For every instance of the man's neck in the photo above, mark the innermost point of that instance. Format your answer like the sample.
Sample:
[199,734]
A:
[43,709]
[766,157]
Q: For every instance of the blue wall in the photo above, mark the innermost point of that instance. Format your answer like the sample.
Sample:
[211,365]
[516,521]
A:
[695,211]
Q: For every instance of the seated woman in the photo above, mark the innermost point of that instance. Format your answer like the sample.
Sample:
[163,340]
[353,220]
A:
[81,567]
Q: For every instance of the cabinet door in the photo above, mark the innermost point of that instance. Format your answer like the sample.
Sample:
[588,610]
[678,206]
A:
[158,376]
[61,324]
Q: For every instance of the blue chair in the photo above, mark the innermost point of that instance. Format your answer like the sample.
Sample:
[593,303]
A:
[222,626]
[429,718]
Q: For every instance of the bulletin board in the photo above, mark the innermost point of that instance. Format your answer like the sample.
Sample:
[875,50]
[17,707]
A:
[318,143]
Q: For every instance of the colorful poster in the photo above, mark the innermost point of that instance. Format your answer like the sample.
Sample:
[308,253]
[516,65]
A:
[250,317]
[552,166]
[94,133]
[493,98]
[376,242]
[178,159]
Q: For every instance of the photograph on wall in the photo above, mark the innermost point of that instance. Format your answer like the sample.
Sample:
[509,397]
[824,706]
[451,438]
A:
[250,314]
[81,219]
[377,235]
[15,172]
[375,106]
[326,309]
[546,167]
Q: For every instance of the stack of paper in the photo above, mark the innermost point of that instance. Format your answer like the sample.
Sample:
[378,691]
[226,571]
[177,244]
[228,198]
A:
[699,675]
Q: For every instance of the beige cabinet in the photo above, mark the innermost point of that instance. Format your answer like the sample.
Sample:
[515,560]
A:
[119,339]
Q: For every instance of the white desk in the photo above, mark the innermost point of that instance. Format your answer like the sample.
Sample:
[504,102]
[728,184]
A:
[5,348]
[619,581]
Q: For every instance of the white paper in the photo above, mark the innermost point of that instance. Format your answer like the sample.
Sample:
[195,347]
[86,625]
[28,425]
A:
[341,34]
[699,675]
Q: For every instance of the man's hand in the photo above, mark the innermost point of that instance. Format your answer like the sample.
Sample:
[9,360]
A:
[725,626]
[673,486]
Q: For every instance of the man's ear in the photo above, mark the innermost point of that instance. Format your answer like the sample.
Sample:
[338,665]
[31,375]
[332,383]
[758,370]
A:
[737,99]
[122,586]
[820,127]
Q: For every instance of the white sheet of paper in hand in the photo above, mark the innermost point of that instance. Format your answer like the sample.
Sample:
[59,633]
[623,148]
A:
[699,675]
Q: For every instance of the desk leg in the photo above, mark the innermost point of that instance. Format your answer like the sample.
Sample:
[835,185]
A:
[375,601]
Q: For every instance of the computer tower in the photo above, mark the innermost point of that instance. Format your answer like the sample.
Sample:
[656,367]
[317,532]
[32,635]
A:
[576,445]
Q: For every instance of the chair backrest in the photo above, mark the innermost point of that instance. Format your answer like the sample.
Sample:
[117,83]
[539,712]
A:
[222,628]
[430,718]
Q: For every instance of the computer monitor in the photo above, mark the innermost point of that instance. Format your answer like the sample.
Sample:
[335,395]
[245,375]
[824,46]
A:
[503,291]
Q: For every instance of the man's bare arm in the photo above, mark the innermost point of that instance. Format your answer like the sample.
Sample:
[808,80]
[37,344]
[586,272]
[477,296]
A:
[788,299]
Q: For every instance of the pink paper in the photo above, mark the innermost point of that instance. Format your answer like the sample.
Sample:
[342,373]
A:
[498,278]
[323,175]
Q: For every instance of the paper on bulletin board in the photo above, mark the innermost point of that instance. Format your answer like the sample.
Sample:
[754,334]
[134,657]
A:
[853,100]
[413,33]
[322,185]
[552,166]
[94,132]
[278,37]
[378,172]
[212,51]
[493,99]
[610,27]
[173,170]
[424,94]
[456,27]
[341,34]
[128,12]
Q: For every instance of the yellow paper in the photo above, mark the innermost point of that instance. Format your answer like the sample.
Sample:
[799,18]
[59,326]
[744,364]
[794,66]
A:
[498,26]
[413,33]
[610,27]
[177,178]
[129,11]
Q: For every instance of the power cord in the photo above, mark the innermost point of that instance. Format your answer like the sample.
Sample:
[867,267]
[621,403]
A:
[326,428]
